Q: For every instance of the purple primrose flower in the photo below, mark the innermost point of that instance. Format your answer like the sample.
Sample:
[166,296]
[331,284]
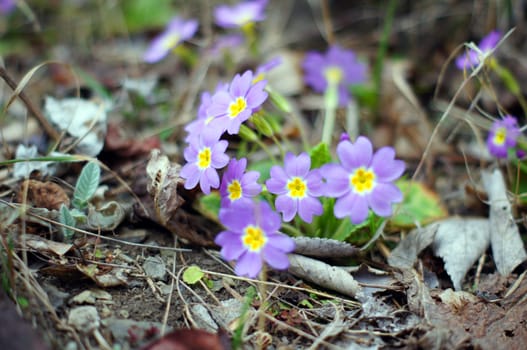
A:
[238,185]
[196,127]
[177,30]
[240,14]
[7,6]
[472,58]
[204,155]
[502,136]
[338,66]
[363,180]
[252,236]
[297,188]
[232,106]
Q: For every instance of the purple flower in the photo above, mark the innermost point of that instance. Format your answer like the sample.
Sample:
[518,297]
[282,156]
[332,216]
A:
[238,186]
[296,187]
[266,67]
[252,236]
[502,136]
[7,6]
[177,30]
[231,107]
[338,66]
[225,42]
[204,155]
[363,180]
[240,14]
[472,58]
[197,126]
[344,137]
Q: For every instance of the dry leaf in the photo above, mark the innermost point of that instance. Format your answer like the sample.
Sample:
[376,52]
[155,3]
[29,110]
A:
[458,241]
[323,247]
[45,245]
[82,119]
[43,194]
[507,246]
[324,275]
[164,178]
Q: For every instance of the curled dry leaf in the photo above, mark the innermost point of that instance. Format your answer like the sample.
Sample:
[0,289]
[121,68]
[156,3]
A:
[40,194]
[324,275]
[323,247]
[164,178]
[507,246]
[162,186]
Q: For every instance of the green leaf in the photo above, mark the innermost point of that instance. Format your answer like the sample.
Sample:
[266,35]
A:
[263,167]
[193,274]
[86,184]
[141,14]
[66,218]
[320,155]
[209,205]
[420,205]
[346,229]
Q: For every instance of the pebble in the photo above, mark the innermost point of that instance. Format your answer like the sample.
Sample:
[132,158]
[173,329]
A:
[154,268]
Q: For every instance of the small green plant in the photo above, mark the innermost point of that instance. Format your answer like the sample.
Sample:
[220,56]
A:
[85,188]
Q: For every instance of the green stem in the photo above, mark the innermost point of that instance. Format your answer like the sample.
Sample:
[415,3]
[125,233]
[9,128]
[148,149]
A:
[509,80]
[291,230]
[330,104]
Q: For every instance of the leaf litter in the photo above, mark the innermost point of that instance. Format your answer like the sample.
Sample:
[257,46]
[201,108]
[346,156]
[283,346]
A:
[317,303]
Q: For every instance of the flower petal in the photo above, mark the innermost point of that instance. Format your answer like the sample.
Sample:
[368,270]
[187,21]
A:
[231,243]
[280,241]
[384,165]
[249,264]
[275,258]
[354,155]
[287,206]
[309,206]
[337,180]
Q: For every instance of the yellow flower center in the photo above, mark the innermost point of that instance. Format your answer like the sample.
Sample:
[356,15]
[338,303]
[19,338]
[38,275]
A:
[237,107]
[258,77]
[204,158]
[170,41]
[333,75]
[254,238]
[500,136]
[362,180]
[297,187]
[235,190]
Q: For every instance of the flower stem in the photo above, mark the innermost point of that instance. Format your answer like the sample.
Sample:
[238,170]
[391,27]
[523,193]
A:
[262,288]
[330,104]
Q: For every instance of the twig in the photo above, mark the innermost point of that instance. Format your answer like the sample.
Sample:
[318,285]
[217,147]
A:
[48,128]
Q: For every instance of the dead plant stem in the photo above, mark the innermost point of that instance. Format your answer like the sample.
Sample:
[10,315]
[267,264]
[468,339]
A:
[48,128]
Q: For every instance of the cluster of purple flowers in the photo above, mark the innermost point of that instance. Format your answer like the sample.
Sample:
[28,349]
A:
[363,180]
[178,30]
